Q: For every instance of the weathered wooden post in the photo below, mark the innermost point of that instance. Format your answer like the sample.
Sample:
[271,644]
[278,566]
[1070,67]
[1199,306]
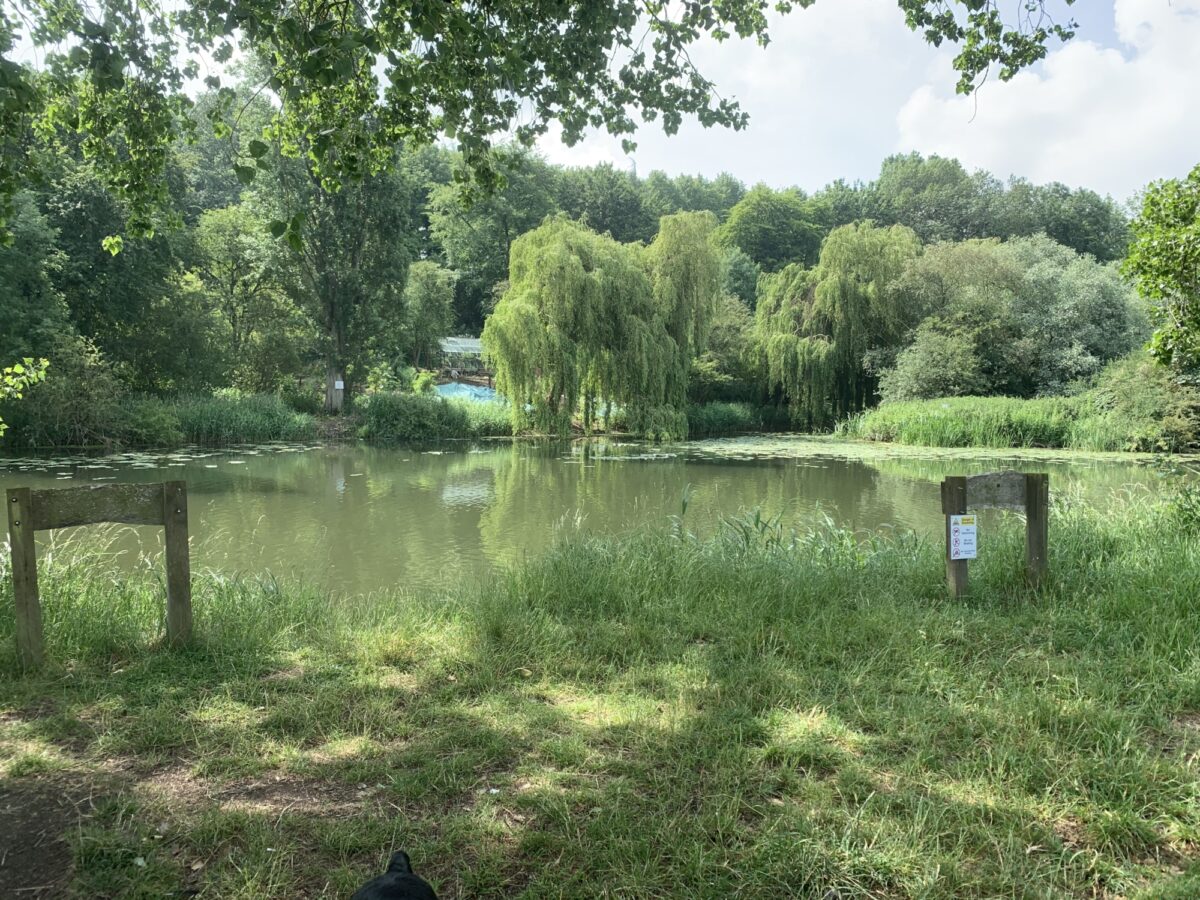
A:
[994,490]
[1037,526]
[26,607]
[132,504]
[954,503]
[179,568]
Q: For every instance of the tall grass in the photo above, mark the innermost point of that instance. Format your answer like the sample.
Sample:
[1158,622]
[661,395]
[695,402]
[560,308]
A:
[391,418]
[766,713]
[719,418]
[227,417]
[1133,404]
[485,418]
[1075,423]
[230,418]
[969,422]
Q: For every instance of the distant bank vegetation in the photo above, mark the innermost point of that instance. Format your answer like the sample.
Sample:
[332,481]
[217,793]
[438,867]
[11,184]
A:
[1133,405]
[655,305]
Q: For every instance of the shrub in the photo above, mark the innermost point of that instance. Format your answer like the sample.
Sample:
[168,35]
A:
[412,418]
[386,378]
[149,422]
[940,362]
[425,383]
[722,418]
[1136,404]
[76,406]
[303,400]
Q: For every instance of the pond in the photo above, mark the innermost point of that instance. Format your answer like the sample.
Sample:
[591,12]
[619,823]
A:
[358,519]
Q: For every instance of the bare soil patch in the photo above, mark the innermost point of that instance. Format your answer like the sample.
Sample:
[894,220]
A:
[36,818]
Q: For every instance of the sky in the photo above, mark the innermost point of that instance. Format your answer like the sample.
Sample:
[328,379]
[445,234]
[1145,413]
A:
[845,83]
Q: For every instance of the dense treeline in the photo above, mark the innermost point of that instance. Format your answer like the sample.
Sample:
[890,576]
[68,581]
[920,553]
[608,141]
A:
[928,280]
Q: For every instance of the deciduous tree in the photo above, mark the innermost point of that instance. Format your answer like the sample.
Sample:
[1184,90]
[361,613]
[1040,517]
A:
[428,309]
[774,228]
[350,267]
[1164,262]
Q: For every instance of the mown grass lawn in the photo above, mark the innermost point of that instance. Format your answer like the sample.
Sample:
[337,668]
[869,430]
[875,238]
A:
[756,715]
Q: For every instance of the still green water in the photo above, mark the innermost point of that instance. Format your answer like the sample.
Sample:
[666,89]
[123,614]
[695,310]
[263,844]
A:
[358,519]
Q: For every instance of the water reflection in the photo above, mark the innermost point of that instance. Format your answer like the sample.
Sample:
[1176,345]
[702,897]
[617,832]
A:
[358,519]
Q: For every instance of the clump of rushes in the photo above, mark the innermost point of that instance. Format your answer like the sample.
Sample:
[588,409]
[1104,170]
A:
[232,418]
[763,713]
[393,418]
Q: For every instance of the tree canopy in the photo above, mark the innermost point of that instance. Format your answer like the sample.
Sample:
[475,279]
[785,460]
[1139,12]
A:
[774,228]
[1021,318]
[1165,264]
[353,81]
[16,378]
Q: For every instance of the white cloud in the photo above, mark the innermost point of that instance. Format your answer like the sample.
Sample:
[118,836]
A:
[845,83]
[1106,118]
[822,100]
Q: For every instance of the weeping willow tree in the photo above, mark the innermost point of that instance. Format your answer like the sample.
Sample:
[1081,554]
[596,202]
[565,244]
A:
[686,273]
[815,327]
[588,324]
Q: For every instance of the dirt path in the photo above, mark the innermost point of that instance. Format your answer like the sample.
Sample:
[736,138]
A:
[36,819]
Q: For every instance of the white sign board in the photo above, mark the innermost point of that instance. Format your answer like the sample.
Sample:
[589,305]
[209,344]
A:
[339,385]
[963,536]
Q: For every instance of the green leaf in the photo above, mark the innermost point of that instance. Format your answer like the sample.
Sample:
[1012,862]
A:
[277,228]
[258,149]
[114,244]
[245,174]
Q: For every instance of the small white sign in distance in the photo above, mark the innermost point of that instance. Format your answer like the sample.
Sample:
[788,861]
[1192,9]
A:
[339,385]
[963,536]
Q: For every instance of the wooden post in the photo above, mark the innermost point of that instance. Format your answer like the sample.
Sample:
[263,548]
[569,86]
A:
[335,389]
[179,581]
[26,605]
[1037,520]
[954,503]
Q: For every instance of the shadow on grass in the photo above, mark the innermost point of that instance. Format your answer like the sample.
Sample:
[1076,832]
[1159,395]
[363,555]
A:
[655,718]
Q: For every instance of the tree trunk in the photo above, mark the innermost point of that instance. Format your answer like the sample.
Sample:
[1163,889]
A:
[335,382]
[335,373]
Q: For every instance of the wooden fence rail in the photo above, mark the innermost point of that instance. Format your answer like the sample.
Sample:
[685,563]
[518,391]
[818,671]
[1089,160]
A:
[30,511]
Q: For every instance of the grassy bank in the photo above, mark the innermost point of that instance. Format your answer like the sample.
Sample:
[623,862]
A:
[1134,405]
[227,418]
[221,419]
[974,422]
[390,419]
[756,715]
[1072,423]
